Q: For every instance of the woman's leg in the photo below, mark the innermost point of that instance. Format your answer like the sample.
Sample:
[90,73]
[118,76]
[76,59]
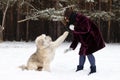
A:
[82,59]
[91,59]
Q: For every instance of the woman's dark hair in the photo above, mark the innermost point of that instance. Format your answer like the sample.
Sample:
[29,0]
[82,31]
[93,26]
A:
[71,15]
[68,12]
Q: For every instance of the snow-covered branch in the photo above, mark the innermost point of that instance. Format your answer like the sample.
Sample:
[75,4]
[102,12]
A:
[50,14]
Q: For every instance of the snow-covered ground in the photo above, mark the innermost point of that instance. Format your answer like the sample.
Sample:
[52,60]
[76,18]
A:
[14,54]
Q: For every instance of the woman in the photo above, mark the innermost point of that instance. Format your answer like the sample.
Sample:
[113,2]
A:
[88,34]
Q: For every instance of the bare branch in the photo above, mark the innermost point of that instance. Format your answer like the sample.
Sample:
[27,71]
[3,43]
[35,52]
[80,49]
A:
[24,2]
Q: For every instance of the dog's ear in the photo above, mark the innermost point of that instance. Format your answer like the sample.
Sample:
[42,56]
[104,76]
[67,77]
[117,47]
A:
[48,38]
[40,42]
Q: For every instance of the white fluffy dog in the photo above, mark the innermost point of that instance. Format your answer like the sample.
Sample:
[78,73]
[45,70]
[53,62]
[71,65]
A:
[45,52]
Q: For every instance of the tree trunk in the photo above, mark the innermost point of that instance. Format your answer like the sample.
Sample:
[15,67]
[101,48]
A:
[109,22]
[27,27]
[18,26]
[1,34]
[3,22]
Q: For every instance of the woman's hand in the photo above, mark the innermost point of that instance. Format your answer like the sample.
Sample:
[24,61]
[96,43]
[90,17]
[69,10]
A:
[67,50]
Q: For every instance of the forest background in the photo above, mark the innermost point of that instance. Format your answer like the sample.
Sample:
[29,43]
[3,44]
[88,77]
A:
[24,20]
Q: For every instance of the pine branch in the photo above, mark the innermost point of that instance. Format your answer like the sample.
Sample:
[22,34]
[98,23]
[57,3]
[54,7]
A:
[50,14]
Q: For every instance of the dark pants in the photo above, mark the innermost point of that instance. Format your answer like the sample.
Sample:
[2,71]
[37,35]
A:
[91,59]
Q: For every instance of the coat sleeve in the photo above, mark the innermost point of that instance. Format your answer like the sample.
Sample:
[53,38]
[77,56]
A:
[74,42]
[84,27]
[83,24]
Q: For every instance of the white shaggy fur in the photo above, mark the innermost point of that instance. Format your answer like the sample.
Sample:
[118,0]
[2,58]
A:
[45,52]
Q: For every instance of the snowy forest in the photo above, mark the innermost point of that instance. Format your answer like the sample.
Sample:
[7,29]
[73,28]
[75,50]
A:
[21,21]
[24,20]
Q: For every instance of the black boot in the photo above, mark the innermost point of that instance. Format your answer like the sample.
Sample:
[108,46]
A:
[79,68]
[93,69]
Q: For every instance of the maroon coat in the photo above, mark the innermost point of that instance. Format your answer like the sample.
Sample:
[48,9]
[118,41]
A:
[88,34]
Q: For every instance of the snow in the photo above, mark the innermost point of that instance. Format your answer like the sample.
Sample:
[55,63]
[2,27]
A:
[13,54]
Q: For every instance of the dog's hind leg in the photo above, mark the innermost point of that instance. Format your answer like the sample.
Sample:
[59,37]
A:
[32,66]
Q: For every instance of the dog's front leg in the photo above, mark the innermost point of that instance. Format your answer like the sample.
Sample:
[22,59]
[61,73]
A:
[46,67]
[60,39]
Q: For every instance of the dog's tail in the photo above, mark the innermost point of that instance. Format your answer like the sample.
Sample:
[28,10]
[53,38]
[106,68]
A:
[23,67]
